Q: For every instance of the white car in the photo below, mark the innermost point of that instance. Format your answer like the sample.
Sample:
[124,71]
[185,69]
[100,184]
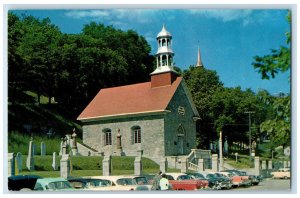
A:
[282,173]
[53,184]
[124,183]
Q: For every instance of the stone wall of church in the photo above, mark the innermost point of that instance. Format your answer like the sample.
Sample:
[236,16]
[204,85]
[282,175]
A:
[180,128]
[151,135]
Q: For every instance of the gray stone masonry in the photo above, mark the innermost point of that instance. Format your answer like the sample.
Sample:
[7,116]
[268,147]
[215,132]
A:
[200,165]
[163,165]
[184,165]
[54,161]
[11,165]
[43,149]
[214,162]
[19,161]
[270,166]
[138,166]
[65,166]
[106,165]
[263,165]
[30,159]
[256,166]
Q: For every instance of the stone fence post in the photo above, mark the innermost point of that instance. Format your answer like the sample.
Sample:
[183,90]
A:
[256,166]
[200,165]
[184,165]
[138,166]
[65,166]
[11,165]
[270,166]
[214,162]
[106,165]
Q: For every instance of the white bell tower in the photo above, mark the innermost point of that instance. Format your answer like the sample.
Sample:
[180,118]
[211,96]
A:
[164,74]
[164,54]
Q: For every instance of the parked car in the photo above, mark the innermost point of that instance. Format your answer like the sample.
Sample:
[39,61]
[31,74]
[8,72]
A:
[221,182]
[254,179]
[124,183]
[181,181]
[88,183]
[213,183]
[282,173]
[22,182]
[150,178]
[236,180]
[53,184]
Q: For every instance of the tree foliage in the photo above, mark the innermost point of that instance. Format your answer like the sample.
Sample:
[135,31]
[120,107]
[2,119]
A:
[279,60]
[73,67]
[278,126]
[221,108]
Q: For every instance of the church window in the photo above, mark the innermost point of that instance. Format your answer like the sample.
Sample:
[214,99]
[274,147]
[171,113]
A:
[107,137]
[136,134]
[181,131]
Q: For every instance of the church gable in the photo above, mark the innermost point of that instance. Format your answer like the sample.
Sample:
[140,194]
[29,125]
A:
[180,123]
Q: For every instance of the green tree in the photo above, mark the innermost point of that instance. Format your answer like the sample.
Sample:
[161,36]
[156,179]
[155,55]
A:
[15,69]
[39,51]
[279,125]
[278,61]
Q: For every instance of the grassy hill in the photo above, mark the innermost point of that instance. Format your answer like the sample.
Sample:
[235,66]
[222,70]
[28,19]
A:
[26,118]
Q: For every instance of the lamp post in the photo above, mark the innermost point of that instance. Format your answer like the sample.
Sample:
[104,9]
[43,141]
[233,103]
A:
[250,149]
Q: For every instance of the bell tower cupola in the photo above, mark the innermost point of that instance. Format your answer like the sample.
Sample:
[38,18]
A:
[164,59]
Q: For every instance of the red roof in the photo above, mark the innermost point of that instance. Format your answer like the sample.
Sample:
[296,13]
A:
[129,99]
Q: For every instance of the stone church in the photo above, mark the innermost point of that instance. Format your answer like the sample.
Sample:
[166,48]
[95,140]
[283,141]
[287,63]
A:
[157,118]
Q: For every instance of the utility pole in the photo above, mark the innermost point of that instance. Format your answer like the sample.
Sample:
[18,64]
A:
[250,145]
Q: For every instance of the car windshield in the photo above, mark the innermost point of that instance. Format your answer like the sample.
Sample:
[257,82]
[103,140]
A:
[58,185]
[98,182]
[126,181]
[211,176]
[198,176]
[183,177]
[141,180]
[170,177]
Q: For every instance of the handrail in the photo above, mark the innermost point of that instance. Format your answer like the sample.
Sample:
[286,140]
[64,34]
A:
[193,166]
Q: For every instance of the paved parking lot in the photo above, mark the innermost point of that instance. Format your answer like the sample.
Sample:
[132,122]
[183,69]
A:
[271,185]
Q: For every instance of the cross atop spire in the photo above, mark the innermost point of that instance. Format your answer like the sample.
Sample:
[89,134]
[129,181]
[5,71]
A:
[199,62]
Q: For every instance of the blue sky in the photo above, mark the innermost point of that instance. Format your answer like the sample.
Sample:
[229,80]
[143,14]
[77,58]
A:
[228,38]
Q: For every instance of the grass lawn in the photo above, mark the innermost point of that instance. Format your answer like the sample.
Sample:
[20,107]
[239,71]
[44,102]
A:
[89,166]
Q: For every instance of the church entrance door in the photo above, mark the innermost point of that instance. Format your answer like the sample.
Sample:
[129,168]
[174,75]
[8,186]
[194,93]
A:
[180,145]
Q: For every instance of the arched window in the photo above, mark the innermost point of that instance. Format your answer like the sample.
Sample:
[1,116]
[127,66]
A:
[107,137]
[180,131]
[164,42]
[164,60]
[136,135]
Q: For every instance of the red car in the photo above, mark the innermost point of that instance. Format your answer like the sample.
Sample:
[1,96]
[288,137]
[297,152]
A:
[181,181]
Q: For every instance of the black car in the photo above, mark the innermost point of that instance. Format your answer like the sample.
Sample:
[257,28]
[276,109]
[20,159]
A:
[213,182]
[22,182]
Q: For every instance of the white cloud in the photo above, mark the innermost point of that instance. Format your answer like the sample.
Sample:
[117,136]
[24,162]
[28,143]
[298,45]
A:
[138,15]
[225,15]
[87,14]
